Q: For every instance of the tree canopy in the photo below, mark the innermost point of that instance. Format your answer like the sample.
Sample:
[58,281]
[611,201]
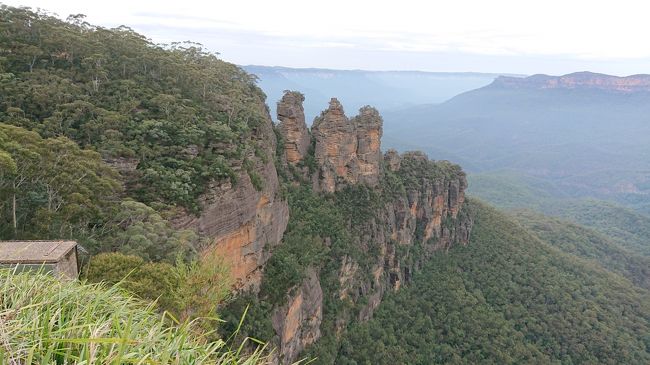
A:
[184,116]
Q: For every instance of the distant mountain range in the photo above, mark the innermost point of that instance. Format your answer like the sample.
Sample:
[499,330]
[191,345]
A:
[587,133]
[385,90]
[578,80]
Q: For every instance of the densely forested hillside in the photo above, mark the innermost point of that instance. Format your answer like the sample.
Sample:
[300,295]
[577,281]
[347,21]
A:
[510,190]
[629,228]
[178,112]
[171,119]
[507,297]
[105,135]
[589,244]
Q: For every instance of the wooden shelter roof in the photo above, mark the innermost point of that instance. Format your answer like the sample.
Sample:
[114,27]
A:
[34,252]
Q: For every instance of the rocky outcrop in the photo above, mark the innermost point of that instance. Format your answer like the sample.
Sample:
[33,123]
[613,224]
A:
[292,126]
[423,215]
[428,214]
[392,160]
[297,322]
[368,128]
[629,84]
[336,148]
[240,221]
[347,152]
[419,215]
[123,165]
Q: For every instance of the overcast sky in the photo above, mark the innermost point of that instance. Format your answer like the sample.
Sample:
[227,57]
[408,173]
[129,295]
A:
[504,36]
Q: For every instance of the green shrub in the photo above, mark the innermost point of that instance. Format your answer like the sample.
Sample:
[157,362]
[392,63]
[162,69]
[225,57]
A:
[147,280]
[188,291]
[47,321]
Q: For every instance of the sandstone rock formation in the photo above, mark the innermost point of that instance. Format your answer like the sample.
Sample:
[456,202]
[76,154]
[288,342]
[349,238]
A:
[347,152]
[368,127]
[292,126]
[297,323]
[427,204]
[424,214]
[240,221]
[336,148]
[392,160]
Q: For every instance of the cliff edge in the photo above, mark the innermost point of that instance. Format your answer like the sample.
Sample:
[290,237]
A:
[370,219]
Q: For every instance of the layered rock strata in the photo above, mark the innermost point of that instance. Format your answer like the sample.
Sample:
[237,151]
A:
[298,321]
[428,214]
[240,221]
[292,126]
[347,152]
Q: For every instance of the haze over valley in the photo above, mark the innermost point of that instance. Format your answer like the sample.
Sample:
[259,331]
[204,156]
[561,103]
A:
[386,90]
[583,134]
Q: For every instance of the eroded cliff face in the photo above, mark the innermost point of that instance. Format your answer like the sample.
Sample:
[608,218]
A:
[298,321]
[421,215]
[347,152]
[292,127]
[426,216]
[241,221]
[336,149]
[368,127]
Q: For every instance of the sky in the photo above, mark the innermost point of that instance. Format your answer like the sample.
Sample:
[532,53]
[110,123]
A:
[496,36]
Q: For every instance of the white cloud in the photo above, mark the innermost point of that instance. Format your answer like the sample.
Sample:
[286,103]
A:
[574,29]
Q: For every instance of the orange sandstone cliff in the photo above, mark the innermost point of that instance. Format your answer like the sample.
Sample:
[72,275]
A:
[244,221]
[240,221]
[347,154]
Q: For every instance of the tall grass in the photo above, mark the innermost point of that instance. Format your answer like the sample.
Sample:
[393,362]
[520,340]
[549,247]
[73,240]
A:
[47,321]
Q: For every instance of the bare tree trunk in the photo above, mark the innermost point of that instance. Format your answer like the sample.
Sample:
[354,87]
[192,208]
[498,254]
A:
[13,213]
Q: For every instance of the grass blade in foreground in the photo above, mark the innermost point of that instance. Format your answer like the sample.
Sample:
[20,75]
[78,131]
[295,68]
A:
[44,321]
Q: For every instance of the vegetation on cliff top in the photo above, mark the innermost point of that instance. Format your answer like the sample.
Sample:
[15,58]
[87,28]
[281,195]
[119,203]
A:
[184,116]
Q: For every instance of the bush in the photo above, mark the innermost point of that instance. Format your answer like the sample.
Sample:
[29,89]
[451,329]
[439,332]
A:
[47,321]
[147,280]
[188,291]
